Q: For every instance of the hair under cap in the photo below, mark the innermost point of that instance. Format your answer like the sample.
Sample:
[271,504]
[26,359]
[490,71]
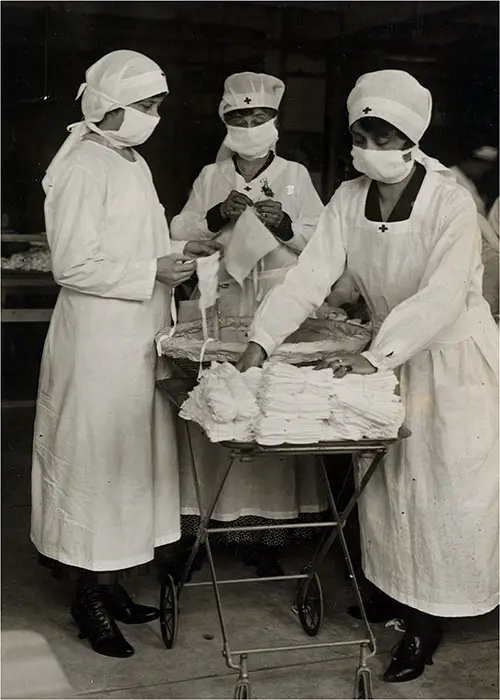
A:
[119,79]
[395,96]
[248,90]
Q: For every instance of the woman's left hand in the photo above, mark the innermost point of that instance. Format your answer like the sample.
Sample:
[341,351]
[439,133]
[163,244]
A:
[201,249]
[344,363]
[269,212]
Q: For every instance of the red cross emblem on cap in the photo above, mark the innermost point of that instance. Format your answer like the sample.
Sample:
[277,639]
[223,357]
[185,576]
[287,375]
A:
[247,100]
[366,110]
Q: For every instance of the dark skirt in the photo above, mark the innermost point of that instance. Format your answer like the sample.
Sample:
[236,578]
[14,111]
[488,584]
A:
[268,538]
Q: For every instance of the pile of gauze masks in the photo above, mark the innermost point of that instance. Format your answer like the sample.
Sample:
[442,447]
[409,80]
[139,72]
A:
[224,403]
[301,405]
[281,403]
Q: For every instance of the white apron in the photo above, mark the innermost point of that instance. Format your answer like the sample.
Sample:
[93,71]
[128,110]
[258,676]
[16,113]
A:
[429,517]
[105,486]
[271,487]
[429,520]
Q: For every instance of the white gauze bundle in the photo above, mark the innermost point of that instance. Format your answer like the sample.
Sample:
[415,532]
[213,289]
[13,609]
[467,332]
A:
[207,270]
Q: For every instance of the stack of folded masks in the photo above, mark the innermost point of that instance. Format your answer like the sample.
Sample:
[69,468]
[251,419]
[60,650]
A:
[223,404]
[294,402]
[282,403]
[364,406]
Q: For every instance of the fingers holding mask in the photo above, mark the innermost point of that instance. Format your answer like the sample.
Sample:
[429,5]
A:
[235,204]
[173,270]
[269,212]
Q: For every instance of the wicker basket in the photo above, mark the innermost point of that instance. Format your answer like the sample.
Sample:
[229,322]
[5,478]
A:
[315,339]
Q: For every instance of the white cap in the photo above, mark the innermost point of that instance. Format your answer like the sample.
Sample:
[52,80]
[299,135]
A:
[119,79]
[394,96]
[247,90]
[489,153]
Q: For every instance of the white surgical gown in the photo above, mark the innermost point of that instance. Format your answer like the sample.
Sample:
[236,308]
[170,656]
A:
[429,517]
[271,487]
[105,487]
[290,184]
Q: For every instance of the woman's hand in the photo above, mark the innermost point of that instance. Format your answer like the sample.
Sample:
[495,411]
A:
[201,249]
[269,212]
[253,356]
[344,363]
[173,270]
[235,205]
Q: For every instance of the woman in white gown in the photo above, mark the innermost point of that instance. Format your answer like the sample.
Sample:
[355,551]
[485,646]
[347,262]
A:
[105,488]
[248,175]
[409,237]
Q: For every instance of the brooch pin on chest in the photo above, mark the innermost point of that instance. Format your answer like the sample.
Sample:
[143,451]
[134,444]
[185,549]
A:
[266,189]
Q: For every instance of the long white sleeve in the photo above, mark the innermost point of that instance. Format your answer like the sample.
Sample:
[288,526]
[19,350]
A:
[413,325]
[74,210]
[306,285]
[191,223]
[304,225]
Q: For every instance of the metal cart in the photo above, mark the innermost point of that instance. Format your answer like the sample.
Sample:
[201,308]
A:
[309,596]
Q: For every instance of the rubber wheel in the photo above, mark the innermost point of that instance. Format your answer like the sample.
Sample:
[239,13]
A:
[310,605]
[363,687]
[169,611]
[242,690]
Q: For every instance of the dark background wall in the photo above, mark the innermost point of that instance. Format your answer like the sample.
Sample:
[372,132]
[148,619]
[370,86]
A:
[318,48]
[451,47]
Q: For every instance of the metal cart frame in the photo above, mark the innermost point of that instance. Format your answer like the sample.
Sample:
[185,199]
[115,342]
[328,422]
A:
[309,596]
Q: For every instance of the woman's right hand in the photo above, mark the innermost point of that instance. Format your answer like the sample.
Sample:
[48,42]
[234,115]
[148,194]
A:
[234,205]
[254,356]
[173,270]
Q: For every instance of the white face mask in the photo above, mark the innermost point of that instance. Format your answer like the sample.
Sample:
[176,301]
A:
[384,166]
[253,142]
[135,129]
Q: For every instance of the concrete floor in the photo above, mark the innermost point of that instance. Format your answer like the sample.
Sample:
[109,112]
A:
[466,665]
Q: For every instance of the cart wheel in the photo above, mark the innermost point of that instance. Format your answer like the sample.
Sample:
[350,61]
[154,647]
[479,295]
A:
[242,690]
[169,611]
[310,605]
[363,685]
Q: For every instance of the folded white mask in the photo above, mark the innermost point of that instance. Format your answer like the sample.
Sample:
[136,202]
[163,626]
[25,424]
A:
[384,166]
[135,129]
[207,270]
[250,242]
[253,142]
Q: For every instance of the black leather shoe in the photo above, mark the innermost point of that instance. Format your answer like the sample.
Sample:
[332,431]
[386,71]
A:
[412,655]
[378,608]
[90,614]
[122,608]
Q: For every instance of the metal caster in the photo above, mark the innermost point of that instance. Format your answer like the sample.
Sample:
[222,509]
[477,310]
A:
[309,604]
[242,690]
[363,684]
[169,611]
